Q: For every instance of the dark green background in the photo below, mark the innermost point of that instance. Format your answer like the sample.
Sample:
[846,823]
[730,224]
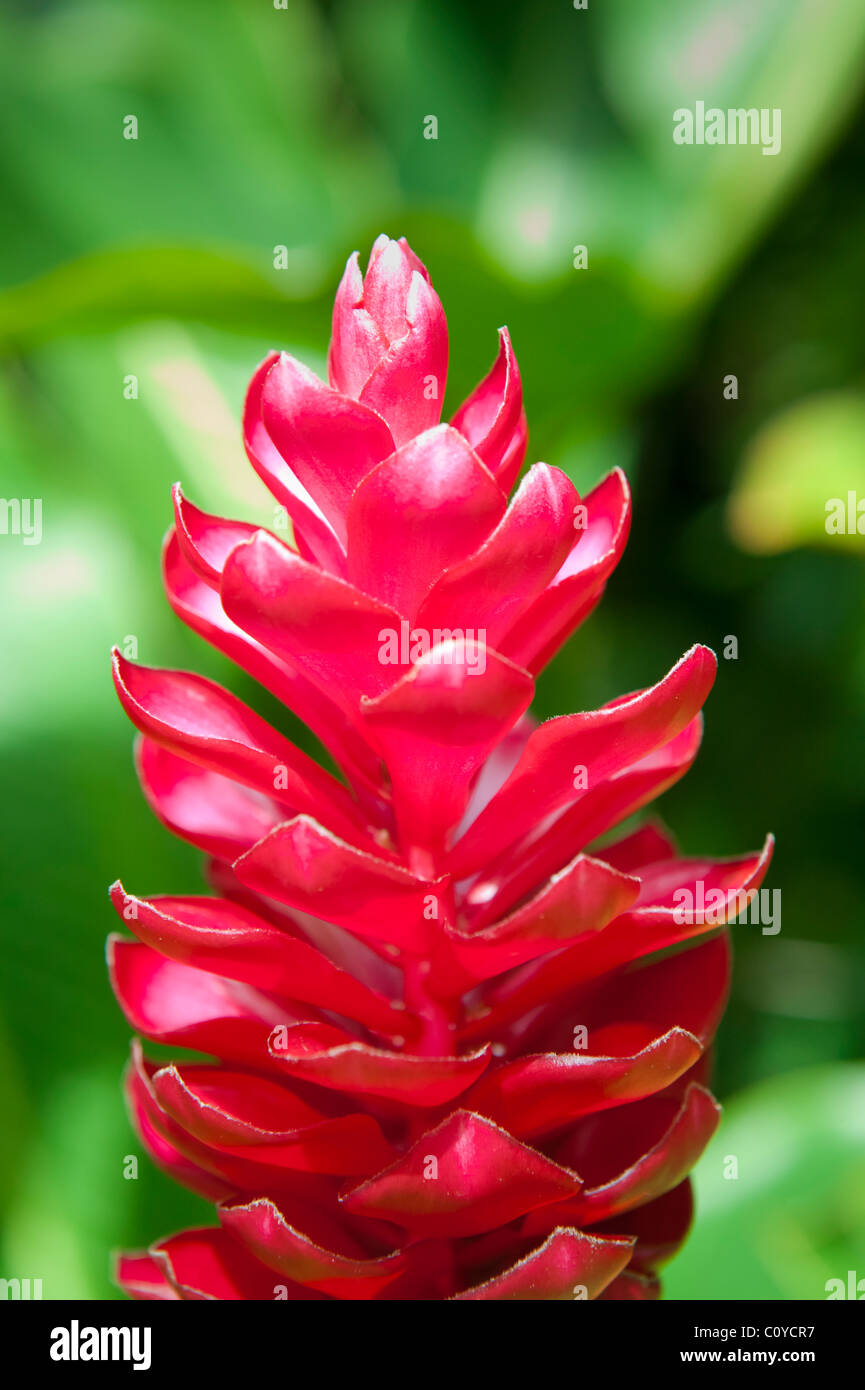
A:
[303,127]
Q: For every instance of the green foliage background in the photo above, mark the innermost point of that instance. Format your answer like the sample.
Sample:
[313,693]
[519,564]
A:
[303,127]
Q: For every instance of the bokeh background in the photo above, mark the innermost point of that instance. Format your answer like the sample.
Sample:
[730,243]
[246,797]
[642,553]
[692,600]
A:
[302,127]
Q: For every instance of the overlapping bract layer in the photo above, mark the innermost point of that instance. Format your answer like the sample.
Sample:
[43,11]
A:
[459,1050]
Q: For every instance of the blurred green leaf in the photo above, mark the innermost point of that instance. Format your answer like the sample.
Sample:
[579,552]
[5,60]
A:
[661,55]
[17,1112]
[70,1185]
[270,134]
[794,1216]
[795,477]
[100,291]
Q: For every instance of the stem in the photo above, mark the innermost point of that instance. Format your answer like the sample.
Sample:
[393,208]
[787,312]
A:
[436,1015]
[436,1037]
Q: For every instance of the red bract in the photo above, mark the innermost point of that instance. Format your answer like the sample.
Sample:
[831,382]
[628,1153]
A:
[460,1051]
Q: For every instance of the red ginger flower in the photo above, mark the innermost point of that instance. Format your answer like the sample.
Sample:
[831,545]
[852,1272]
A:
[456,1056]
